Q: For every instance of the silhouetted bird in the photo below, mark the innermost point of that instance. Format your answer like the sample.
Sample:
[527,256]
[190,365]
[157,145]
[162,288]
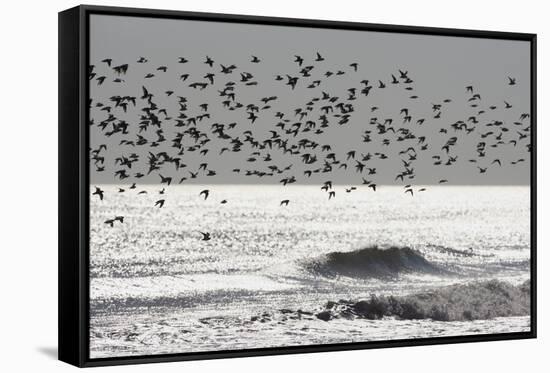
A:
[165,180]
[99,193]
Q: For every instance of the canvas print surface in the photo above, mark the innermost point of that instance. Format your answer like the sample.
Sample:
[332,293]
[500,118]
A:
[261,186]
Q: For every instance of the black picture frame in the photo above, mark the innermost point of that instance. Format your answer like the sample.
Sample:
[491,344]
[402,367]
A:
[74,183]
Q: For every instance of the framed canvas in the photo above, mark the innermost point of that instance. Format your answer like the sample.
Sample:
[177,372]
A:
[235,186]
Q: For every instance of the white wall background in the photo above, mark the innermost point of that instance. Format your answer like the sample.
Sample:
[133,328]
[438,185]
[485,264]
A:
[28,188]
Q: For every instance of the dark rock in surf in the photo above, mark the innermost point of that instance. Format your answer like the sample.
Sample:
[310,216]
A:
[324,315]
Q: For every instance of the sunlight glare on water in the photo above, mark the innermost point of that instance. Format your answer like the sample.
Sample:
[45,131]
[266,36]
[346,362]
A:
[153,277]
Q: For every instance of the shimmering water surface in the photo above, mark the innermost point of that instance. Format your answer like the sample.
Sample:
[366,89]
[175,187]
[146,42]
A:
[156,287]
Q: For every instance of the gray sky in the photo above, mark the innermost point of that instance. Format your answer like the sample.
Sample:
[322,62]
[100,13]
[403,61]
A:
[441,68]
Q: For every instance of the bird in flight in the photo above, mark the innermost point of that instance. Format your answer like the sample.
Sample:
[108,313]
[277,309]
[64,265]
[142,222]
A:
[99,193]
[111,222]
[205,236]
[165,180]
[209,61]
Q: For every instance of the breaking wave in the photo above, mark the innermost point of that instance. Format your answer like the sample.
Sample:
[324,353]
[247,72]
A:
[462,302]
[374,262]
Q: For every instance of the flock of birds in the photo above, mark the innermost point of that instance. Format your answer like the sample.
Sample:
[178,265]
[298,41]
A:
[165,139]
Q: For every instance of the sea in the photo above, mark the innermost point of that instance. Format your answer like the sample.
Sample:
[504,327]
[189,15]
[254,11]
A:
[156,287]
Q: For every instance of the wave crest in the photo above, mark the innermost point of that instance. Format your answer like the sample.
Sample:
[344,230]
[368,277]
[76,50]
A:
[461,302]
[374,262]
